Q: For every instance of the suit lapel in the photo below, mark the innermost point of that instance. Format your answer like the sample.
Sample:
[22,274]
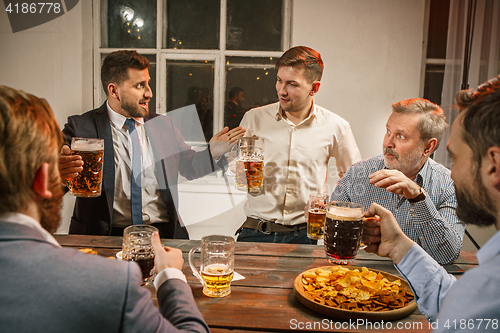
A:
[104,132]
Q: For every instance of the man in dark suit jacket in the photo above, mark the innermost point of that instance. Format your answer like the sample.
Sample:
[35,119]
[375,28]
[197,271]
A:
[47,288]
[125,79]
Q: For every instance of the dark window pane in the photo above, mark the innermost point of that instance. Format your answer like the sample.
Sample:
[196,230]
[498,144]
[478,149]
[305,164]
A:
[130,23]
[152,83]
[188,83]
[193,24]
[254,25]
[257,78]
[433,87]
[438,29]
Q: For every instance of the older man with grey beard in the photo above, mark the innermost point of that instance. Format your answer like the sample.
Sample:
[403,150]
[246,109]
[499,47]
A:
[405,180]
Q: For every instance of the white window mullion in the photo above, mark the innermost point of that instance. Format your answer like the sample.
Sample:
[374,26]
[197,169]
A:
[220,71]
[97,53]
[160,81]
[286,37]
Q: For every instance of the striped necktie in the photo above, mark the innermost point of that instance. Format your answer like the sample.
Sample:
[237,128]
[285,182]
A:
[135,178]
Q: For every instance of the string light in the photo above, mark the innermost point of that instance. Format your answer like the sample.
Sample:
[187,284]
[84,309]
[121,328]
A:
[126,13]
[139,22]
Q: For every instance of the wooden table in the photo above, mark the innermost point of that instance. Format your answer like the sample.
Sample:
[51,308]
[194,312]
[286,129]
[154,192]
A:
[264,301]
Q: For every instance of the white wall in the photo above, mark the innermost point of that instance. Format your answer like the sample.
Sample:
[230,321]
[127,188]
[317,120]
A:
[372,51]
[47,61]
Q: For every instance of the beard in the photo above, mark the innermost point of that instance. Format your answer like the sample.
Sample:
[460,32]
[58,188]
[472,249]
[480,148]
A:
[133,109]
[475,206]
[407,163]
[50,209]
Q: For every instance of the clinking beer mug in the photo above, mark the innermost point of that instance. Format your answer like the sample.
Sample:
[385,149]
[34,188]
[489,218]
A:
[250,164]
[88,183]
[344,231]
[217,264]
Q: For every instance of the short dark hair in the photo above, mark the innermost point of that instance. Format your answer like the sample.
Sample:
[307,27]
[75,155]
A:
[432,122]
[305,57]
[234,91]
[481,121]
[115,67]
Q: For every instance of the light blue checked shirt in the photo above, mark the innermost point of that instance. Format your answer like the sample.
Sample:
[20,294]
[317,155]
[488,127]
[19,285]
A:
[469,304]
[432,223]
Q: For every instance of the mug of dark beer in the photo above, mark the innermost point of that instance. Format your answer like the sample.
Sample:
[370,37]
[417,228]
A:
[137,247]
[343,231]
[88,183]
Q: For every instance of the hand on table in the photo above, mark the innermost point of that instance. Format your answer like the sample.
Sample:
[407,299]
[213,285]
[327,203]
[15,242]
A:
[385,237]
[69,165]
[396,182]
[165,256]
[223,141]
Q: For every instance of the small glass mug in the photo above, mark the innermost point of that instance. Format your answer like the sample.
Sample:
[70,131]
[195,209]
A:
[343,231]
[88,183]
[316,213]
[250,164]
[137,247]
[217,264]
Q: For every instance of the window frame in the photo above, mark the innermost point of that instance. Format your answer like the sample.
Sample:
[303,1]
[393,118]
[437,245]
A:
[164,54]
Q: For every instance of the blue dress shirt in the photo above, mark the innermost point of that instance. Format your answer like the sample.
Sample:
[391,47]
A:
[469,304]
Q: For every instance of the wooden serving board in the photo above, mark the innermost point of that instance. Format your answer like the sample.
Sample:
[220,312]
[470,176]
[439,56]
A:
[305,298]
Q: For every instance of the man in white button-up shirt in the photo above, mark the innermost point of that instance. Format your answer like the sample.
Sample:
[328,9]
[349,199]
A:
[47,288]
[300,137]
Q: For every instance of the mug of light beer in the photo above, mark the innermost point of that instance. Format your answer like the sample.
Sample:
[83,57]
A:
[88,183]
[343,231]
[316,213]
[250,164]
[137,247]
[217,264]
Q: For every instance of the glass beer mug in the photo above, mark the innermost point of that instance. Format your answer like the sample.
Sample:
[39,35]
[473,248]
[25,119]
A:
[343,231]
[88,183]
[316,211]
[250,164]
[137,247]
[217,264]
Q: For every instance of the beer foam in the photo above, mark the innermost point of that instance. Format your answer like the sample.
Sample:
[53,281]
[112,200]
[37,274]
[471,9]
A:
[344,213]
[85,146]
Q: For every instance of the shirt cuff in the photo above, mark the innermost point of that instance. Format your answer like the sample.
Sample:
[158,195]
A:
[167,274]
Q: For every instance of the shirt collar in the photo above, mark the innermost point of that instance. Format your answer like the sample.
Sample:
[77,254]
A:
[489,250]
[422,174]
[119,120]
[28,221]
[279,113]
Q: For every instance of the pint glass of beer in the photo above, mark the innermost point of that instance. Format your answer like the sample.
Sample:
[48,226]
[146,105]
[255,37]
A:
[137,247]
[343,231]
[250,164]
[217,264]
[88,183]
[316,213]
